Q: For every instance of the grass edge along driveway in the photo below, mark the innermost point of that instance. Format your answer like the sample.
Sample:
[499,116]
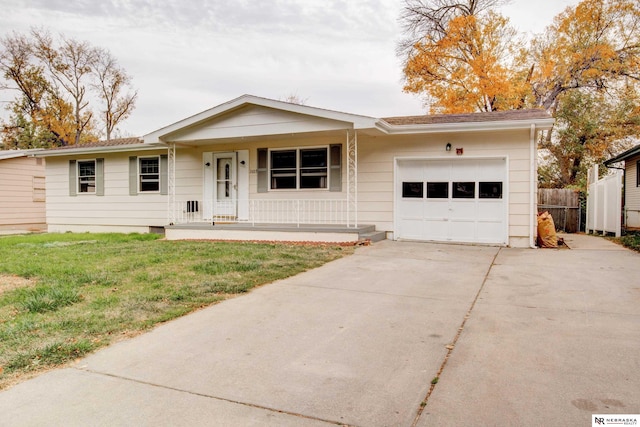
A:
[65,295]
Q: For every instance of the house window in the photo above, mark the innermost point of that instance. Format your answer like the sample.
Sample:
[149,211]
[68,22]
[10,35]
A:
[284,169]
[413,190]
[149,174]
[303,168]
[490,190]
[638,173]
[437,190]
[87,176]
[464,190]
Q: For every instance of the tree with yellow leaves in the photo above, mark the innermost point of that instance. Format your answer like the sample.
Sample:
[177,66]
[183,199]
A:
[58,82]
[465,57]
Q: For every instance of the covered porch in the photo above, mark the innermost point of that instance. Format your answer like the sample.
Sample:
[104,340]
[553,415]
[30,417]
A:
[299,220]
[263,166]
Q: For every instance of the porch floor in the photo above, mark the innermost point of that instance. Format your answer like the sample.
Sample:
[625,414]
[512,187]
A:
[277,232]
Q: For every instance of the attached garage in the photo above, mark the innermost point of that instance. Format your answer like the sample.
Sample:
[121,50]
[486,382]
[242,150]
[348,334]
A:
[452,200]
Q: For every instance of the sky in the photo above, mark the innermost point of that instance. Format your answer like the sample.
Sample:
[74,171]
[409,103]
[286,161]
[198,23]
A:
[186,56]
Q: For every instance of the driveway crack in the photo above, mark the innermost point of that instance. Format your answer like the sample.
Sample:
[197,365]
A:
[452,346]
[208,396]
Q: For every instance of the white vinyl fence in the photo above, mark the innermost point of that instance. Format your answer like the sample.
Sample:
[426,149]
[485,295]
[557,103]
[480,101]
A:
[604,202]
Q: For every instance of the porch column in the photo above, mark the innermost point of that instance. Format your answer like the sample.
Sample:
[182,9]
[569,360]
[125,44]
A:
[171,178]
[352,178]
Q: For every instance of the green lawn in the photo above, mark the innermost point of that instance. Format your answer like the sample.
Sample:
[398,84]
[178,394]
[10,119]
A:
[64,295]
[630,240]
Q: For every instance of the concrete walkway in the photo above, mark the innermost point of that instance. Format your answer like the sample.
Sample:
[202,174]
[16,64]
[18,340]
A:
[517,337]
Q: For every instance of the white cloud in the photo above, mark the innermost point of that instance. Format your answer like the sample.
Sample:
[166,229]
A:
[186,56]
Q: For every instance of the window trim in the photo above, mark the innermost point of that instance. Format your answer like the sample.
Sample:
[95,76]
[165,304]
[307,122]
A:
[95,177]
[139,175]
[298,151]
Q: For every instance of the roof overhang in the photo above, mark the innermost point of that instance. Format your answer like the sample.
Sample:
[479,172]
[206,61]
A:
[480,126]
[350,121]
[635,151]
[98,150]
[12,154]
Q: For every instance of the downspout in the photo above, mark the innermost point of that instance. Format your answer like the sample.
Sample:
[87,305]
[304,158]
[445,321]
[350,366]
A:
[533,183]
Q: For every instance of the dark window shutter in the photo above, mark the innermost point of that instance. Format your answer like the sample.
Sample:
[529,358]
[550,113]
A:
[73,186]
[133,176]
[99,177]
[335,167]
[164,174]
[263,173]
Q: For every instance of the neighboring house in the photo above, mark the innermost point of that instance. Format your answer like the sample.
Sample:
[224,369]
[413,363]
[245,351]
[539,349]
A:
[631,198]
[258,169]
[22,192]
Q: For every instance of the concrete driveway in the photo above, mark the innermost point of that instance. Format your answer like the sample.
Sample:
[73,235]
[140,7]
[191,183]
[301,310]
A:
[516,337]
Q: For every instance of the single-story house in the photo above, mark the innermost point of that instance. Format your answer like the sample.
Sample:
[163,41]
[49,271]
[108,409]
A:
[260,169]
[22,192]
[631,197]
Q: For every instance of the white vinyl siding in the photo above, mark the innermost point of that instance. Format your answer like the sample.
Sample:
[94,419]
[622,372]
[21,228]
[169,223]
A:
[22,204]
[376,166]
[254,120]
[115,209]
[632,193]
[375,178]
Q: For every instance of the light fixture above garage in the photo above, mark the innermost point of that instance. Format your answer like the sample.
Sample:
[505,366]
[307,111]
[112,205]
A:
[448,146]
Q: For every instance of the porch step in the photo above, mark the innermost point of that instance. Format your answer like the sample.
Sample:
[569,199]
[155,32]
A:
[374,236]
[273,232]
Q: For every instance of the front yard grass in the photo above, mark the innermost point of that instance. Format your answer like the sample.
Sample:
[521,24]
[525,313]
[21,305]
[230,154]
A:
[65,295]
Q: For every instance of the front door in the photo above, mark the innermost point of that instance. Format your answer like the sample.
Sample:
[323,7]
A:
[225,186]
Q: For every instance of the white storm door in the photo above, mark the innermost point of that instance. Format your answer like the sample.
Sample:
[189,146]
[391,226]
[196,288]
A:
[225,186]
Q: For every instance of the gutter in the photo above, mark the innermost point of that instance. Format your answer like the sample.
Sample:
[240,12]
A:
[100,149]
[541,124]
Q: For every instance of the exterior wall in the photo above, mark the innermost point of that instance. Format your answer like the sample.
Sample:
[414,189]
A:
[632,194]
[376,167]
[189,184]
[256,121]
[119,211]
[22,203]
[115,211]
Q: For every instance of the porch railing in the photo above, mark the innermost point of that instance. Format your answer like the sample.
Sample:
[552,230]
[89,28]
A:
[292,212]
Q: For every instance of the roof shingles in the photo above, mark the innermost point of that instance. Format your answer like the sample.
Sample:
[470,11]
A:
[111,143]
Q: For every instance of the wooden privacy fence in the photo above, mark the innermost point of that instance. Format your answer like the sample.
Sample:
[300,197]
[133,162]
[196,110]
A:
[564,207]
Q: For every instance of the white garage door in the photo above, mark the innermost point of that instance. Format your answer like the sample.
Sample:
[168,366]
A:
[461,200]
